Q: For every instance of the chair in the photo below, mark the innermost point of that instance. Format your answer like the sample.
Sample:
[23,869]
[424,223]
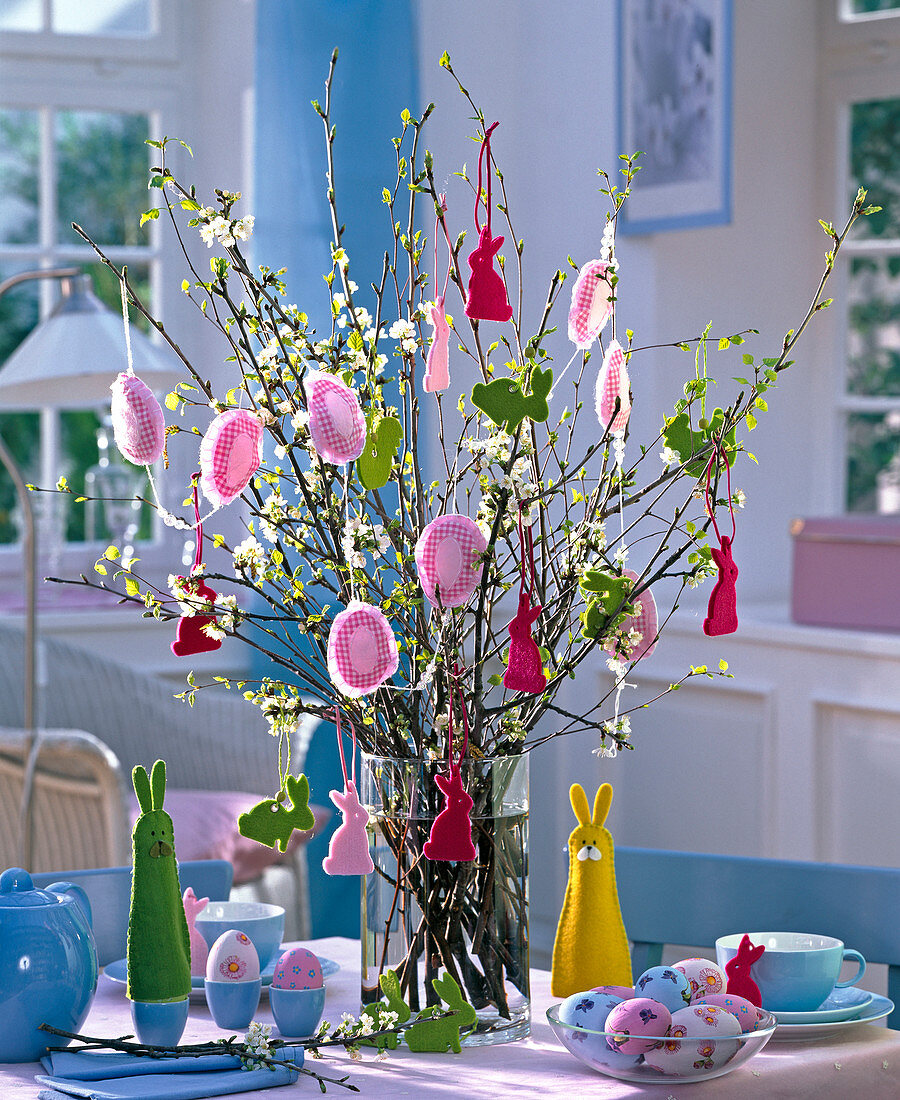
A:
[693,898]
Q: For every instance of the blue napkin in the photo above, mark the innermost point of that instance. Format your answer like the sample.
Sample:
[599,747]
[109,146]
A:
[100,1065]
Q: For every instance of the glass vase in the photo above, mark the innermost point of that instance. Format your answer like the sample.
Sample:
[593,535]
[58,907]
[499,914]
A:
[422,918]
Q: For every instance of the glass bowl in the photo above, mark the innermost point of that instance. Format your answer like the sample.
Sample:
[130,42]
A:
[685,1059]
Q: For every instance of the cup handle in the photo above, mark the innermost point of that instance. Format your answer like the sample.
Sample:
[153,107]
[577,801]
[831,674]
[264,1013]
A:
[849,953]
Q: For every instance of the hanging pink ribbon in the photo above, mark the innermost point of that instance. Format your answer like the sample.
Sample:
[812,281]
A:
[721,613]
[437,367]
[190,637]
[487,300]
[524,670]
[451,831]
[348,849]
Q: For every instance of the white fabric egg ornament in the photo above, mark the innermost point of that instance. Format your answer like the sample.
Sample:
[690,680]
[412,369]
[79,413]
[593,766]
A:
[337,425]
[612,383]
[139,425]
[362,650]
[230,454]
[448,559]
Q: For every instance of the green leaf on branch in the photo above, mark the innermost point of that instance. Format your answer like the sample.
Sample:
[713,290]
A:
[149,216]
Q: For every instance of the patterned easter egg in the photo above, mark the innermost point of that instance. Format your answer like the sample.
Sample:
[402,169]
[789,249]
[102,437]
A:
[588,1009]
[448,558]
[337,425]
[704,977]
[701,1038]
[230,454]
[298,968]
[748,1015]
[638,1025]
[362,650]
[232,958]
[622,992]
[666,985]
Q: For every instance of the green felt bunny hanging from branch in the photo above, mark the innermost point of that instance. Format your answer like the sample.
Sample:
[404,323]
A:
[159,947]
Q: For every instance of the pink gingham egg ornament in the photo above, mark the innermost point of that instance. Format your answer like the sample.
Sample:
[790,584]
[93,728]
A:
[645,621]
[592,304]
[337,426]
[298,968]
[230,454]
[448,558]
[613,383]
[139,425]
[362,650]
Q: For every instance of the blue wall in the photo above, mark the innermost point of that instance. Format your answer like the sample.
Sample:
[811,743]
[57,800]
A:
[376,79]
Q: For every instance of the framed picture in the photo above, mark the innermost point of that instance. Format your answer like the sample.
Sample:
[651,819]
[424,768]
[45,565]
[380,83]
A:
[674,105]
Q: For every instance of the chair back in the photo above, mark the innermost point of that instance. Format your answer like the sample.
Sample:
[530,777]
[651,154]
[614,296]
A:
[694,898]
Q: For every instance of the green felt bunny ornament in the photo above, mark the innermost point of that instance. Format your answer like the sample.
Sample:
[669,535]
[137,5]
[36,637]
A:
[443,1034]
[373,1014]
[269,822]
[382,440]
[505,403]
[159,946]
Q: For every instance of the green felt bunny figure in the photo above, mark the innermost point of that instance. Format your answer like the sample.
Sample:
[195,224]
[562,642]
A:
[373,1014]
[159,946]
[382,440]
[505,403]
[443,1034]
[270,823]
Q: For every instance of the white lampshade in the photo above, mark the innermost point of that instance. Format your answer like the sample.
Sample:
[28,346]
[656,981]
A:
[70,360]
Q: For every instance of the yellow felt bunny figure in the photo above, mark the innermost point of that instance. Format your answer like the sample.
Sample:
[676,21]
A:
[591,947]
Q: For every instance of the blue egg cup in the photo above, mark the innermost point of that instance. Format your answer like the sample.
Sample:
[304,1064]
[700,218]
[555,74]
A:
[159,1023]
[297,1012]
[232,1004]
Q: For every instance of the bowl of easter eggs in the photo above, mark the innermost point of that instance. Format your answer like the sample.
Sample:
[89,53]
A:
[678,1024]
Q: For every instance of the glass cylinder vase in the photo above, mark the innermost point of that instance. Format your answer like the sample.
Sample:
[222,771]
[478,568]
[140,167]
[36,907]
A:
[423,918]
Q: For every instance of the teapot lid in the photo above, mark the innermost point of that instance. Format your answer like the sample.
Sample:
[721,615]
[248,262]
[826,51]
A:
[17,890]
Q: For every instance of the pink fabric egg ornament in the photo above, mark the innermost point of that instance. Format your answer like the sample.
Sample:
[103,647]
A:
[613,382]
[447,558]
[592,304]
[646,620]
[138,422]
[362,649]
[230,454]
[336,422]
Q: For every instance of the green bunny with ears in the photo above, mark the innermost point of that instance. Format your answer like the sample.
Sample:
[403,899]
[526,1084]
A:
[159,946]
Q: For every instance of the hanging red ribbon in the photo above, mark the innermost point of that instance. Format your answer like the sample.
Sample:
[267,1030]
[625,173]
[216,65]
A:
[721,613]
[348,849]
[487,300]
[190,637]
[451,832]
[524,670]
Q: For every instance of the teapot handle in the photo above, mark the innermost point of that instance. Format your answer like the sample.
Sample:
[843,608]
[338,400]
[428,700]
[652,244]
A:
[78,894]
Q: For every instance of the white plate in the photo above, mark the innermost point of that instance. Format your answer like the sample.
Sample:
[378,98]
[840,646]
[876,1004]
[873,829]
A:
[117,972]
[841,1004]
[877,1009]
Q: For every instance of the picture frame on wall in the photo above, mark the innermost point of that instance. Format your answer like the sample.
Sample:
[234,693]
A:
[674,105]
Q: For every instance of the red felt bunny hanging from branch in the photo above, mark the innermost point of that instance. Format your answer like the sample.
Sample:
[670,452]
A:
[487,300]
[190,637]
[524,670]
[451,832]
[721,614]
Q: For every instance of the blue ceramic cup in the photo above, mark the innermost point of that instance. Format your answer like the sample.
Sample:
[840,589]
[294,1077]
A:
[262,923]
[232,1004]
[797,970]
[159,1023]
[297,1012]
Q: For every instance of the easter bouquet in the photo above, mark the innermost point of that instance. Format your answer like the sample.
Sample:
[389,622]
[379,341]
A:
[433,547]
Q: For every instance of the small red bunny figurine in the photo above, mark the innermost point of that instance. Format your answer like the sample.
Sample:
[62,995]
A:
[740,983]
[487,299]
[190,637]
[721,614]
[524,670]
[451,833]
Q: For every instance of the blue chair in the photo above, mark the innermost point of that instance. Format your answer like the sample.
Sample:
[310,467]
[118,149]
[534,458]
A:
[693,898]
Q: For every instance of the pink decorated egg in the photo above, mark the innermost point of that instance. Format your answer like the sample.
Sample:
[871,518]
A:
[139,426]
[448,558]
[298,968]
[232,958]
[704,977]
[362,650]
[747,1014]
[230,454]
[337,426]
[638,1025]
[701,1038]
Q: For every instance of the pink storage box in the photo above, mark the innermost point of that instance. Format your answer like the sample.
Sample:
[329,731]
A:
[846,572]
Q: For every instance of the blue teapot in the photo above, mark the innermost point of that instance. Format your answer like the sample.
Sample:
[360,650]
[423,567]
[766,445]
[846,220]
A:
[48,963]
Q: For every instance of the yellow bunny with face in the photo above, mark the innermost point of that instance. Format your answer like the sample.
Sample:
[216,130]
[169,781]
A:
[591,947]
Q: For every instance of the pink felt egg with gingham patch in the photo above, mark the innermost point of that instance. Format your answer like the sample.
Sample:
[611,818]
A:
[612,383]
[448,558]
[362,649]
[646,622]
[591,304]
[298,968]
[230,454]
[138,422]
[337,426]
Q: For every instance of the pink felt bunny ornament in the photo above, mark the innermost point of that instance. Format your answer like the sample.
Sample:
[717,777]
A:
[738,969]
[437,366]
[199,948]
[487,300]
[348,849]
[721,612]
[524,668]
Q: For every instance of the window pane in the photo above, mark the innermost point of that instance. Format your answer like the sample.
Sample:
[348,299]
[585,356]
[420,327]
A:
[873,462]
[873,331]
[19,177]
[875,164]
[20,15]
[102,166]
[866,7]
[124,17]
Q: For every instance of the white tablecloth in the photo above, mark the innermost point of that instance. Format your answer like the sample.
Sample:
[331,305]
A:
[861,1061]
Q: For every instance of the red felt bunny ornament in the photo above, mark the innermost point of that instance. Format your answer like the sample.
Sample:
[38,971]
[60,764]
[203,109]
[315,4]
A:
[451,833]
[721,613]
[740,982]
[190,637]
[487,300]
[524,670]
